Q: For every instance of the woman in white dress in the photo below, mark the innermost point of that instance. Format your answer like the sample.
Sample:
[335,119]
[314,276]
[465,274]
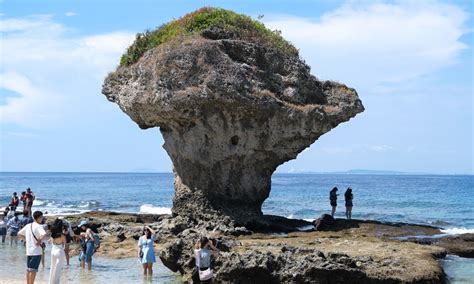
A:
[58,240]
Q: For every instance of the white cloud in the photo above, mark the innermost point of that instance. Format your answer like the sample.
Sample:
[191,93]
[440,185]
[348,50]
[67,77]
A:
[55,72]
[33,104]
[19,134]
[359,148]
[337,150]
[70,14]
[381,148]
[366,45]
[34,26]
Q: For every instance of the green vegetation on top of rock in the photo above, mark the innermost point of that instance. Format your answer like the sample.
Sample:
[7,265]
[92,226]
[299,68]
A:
[238,25]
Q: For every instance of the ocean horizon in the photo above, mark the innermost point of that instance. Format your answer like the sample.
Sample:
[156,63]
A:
[348,172]
[293,195]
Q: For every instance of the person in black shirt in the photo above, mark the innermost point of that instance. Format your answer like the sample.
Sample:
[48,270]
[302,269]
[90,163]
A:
[349,196]
[333,200]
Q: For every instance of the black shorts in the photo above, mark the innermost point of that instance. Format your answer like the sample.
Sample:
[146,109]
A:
[333,203]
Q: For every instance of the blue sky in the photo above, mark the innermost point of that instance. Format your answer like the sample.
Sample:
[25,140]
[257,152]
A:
[410,61]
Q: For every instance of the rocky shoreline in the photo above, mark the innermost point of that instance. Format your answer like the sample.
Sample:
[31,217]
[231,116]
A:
[343,251]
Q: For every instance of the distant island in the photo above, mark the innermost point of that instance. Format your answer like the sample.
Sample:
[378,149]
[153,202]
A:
[359,172]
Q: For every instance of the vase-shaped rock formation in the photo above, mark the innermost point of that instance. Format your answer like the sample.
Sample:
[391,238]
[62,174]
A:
[231,110]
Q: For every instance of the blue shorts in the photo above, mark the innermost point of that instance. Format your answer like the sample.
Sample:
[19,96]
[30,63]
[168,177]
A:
[87,256]
[33,262]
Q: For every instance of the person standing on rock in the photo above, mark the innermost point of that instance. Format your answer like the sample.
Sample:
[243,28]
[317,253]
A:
[146,253]
[23,199]
[349,196]
[29,197]
[333,200]
[203,250]
[14,202]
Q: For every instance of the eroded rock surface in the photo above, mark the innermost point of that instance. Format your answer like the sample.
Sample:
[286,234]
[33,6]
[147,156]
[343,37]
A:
[348,251]
[230,112]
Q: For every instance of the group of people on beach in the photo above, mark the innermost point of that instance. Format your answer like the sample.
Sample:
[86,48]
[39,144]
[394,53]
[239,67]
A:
[34,236]
[27,198]
[35,233]
[10,223]
[348,196]
[32,230]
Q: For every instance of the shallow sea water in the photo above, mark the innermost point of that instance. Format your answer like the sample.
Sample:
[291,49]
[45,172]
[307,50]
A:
[104,269]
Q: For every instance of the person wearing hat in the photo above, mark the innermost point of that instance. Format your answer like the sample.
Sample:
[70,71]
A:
[348,196]
[87,244]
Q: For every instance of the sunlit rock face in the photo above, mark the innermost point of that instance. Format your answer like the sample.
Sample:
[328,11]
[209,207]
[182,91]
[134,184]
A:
[230,111]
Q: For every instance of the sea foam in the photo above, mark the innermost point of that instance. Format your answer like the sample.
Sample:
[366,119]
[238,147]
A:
[150,209]
[457,231]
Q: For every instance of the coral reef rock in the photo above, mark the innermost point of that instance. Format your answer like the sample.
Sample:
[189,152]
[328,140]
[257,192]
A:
[230,111]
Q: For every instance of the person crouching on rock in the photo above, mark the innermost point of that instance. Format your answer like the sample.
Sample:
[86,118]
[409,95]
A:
[348,196]
[202,252]
[333,199]
[146,252]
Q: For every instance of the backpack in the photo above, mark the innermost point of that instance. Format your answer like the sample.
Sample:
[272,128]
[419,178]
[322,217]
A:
[96,241]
